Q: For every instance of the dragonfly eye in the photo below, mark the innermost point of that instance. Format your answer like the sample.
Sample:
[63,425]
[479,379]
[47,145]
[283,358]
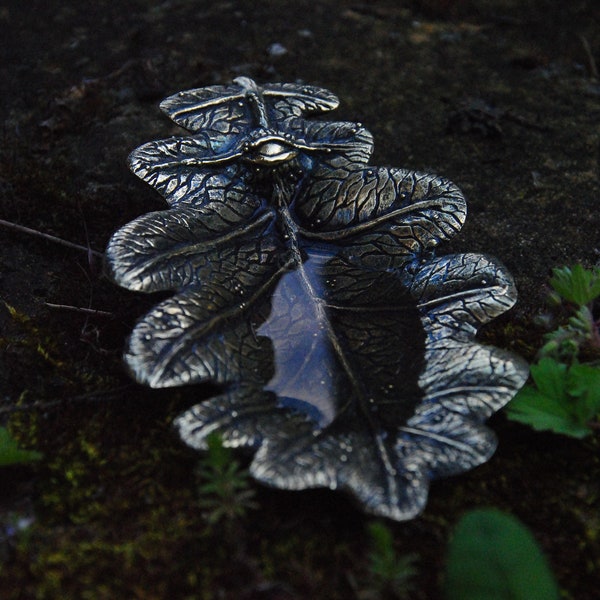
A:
[271,153]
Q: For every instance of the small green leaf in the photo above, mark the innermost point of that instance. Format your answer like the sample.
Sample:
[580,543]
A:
[550,376]
[11,454]
[552,405]
[532,408]
[576,284]
[584,385]
[492,556]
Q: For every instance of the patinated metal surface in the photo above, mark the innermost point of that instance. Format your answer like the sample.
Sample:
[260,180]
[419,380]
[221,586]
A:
[306,284]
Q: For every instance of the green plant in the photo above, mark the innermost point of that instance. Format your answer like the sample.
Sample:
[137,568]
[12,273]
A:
[565,398]
[493,556]
[577,288]
[11,454]
[390,574]
[224,489]
[565,395]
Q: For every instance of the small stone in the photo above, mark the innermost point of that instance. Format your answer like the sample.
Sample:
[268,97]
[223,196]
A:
[276,50]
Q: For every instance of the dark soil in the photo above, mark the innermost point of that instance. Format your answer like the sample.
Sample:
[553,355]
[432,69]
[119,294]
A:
[500,96]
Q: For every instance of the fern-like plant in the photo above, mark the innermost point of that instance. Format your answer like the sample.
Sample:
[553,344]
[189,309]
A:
[224,488]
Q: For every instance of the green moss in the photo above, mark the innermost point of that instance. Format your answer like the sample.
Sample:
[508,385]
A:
[23,424]
[32,337]
[309,562]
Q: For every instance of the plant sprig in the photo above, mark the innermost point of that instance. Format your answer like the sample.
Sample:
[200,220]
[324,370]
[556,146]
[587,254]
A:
[390,575]
[577,288]
[224,489]
[565,395]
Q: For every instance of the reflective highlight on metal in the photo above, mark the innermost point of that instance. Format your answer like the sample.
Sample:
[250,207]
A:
[305,283]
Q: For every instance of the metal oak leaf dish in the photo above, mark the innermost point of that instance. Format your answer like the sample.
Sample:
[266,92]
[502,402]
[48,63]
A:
[305,284]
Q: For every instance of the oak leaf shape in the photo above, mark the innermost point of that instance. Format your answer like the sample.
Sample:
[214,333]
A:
[306,285]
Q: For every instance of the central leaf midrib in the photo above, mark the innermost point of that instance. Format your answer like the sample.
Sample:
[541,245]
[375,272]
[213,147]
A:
[291,232]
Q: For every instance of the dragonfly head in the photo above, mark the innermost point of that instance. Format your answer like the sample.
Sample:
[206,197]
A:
[269,148]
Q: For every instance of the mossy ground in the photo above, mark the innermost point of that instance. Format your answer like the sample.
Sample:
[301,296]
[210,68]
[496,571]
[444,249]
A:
[500,96]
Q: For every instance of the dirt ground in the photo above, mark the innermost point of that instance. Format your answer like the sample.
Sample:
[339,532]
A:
[500,96]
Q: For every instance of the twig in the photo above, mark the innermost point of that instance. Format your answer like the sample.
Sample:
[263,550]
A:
[90,396]
[590,56]
[79,309]
[47,236]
